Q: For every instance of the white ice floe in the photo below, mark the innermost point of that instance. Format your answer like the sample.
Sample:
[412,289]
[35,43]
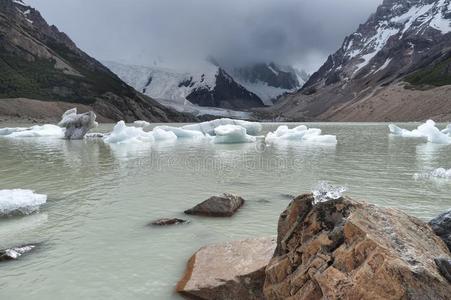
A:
[142,124]
[8,131]
[299,134]
[324,191]
[182,133]
[252,128]
[47,130]
[163,135]
[20,201]
[437,173]
[123,134]
[232,134]
[447,130]
[427,130]
[15,253]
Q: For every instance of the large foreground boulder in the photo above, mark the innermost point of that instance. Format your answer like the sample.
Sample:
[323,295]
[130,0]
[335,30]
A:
[442,227]
[341,249]
[77,125]
[217,206]
[234,270]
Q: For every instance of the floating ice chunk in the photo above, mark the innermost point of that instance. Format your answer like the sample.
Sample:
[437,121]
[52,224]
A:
[142,124]
[232,134]
[437,173]
[15,253]
[324,191]
[162,135]
[427,130]
[19,201]
[8,131]
[301,134]
[447,130]
[122,134]
[252,128]
[46,130]
[182,133]
[77,125]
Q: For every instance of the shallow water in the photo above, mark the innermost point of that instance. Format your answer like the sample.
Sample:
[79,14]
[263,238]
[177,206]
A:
[95,242]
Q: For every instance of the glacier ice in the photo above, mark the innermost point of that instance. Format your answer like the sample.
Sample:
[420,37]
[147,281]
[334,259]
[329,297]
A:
[182,133]
[299,134]
[324,191]
[427,130]
[19,201]
[123,134]
[163,135]
[232,134]
[142,124]
[47,130]
[8,131]
[447,130]
[77,125]
[437,173]
[252,128]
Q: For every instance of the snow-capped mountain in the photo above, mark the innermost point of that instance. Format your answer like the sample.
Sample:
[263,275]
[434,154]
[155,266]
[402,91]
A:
[269,81]
[403,41]
[205,85]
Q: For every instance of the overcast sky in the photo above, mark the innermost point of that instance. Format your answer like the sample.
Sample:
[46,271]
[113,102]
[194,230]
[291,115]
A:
[296,32]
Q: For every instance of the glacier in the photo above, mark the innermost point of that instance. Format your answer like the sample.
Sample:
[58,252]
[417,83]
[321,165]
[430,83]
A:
[299,134]
[20,201]
[232,134]
[427,130]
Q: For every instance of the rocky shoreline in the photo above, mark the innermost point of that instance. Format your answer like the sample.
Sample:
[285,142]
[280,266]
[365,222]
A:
[338,249]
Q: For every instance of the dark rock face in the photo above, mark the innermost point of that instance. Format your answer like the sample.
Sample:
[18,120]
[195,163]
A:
[444,265]
[168,221]
[15,253]
[400,42]
[341,249]
[217,206]
[272,74]
[442,227]
[227,93]
[29,46]
[233,270]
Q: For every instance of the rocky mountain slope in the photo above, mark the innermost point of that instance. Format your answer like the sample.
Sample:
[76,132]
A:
[208,84]
[404,45]
[37,61]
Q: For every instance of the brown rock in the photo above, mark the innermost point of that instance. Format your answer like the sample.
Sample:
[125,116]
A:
[167,221]
[217,206]
[342,249]
[233,270]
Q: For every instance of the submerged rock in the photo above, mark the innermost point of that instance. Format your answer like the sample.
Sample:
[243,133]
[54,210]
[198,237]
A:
[233,270]
[442,227]
[168,221]
[77,125]
[15,253]
[341,249]
[217,206]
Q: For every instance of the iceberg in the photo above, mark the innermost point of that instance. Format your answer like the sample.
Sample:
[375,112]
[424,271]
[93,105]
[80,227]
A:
[437,173]
[47,130]
[427,130]
[77,125]
[8,131]
[18,201]
[142,124]
[163,135]
[252,128]
[232,134]
[182,133]
[299,134]
[122,134]
[447,130]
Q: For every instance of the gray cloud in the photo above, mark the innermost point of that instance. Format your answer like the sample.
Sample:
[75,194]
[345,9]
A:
[297,32]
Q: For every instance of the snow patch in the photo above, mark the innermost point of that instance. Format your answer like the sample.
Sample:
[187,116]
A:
[18,201]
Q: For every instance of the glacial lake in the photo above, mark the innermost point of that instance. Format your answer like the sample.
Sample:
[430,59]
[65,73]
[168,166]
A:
[94,239]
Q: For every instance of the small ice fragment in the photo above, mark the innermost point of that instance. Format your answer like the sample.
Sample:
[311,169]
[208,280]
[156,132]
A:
[15,253]
[252,128]
[324,191]
[299,134]
[20,201]
[437,173]
[232,134]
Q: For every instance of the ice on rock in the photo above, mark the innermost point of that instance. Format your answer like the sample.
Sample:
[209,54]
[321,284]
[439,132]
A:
[20,201]
[427,130]
[300,134]
[122,134]
[252,128]
[324,192]
[182,133]
[232,134]
[437,173]
[77,125]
